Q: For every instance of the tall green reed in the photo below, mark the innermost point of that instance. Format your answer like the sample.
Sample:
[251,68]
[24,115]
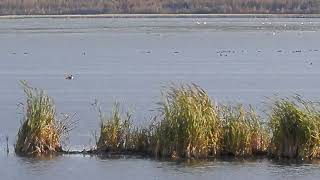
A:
[189,125]
[117,132]
[244,133]
[295,125]
[40,132]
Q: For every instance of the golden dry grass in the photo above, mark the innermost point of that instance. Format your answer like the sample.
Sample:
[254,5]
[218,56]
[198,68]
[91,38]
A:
[295,125]
[40,132]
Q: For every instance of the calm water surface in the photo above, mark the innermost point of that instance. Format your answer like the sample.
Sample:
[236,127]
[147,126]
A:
[131,60]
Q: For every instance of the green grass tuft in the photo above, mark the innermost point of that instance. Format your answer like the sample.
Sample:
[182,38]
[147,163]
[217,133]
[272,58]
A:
[295,125]
[189,124]
[244,133]
[115,130]
[40,132]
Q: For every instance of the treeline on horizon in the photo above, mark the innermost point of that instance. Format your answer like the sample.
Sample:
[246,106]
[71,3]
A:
[39,7]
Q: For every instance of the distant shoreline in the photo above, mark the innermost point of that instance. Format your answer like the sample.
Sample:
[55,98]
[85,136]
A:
[163,16]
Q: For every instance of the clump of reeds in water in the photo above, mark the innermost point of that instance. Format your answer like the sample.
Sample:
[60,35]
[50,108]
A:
[119,135]
[142,140]
[295,125]
[40,132]
[189,125]
[244,134]
[115,131]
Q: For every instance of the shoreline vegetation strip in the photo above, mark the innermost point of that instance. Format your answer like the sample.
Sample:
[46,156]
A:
[158,6]
[162,16]
[189,125]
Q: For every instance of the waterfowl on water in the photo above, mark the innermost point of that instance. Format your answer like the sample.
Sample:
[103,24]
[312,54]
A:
[7,139]
[69,77]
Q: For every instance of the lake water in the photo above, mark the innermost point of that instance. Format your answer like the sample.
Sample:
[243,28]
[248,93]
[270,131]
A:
[130,60]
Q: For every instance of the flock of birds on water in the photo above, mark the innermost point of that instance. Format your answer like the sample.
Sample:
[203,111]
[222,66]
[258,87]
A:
[264,22]
[220,53]
[229,52]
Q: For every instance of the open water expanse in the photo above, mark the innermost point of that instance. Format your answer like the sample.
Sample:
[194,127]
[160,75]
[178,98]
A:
[130,60]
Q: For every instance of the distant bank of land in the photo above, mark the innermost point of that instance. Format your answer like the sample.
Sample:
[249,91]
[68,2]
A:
[163,16]
[86,7]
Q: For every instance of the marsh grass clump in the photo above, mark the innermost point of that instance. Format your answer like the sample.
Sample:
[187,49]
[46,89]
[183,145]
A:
[141,140]
[189,125]
[116,131]
[244,134]
[295,125]
[40,132]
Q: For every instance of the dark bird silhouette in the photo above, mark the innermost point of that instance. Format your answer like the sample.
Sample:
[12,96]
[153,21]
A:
[69,77]
[7,139]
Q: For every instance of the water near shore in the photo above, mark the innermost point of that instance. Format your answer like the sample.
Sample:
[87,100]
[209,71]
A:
[130,60]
